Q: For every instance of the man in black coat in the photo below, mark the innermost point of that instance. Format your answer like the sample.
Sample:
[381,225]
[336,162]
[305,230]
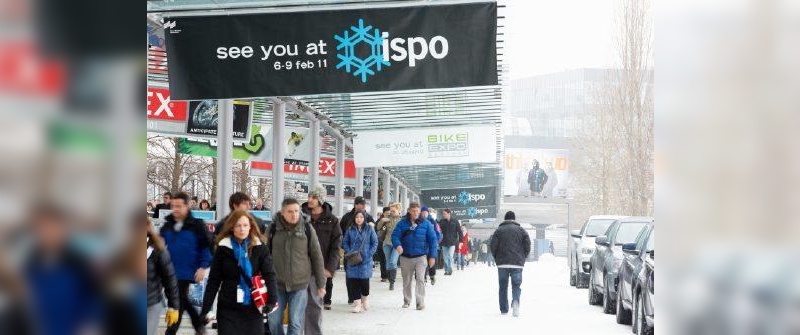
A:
[451,238]
[320,215]
[163,205]
[241,201]
[510,246]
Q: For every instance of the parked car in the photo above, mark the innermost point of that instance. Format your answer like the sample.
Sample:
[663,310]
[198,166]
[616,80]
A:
[607,259]
[644,321]
[631,274]
[581,247]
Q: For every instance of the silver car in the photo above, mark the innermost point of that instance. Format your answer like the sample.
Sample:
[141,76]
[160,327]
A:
[581,247]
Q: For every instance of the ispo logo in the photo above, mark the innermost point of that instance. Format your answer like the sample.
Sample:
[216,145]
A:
[465,197]
[383,50]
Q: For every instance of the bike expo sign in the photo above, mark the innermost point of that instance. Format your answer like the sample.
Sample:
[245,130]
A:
[465,203]
[425,146]
[332,51]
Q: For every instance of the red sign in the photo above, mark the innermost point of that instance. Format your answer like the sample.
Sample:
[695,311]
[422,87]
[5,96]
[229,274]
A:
[24,70]
[327,167]
[160,107]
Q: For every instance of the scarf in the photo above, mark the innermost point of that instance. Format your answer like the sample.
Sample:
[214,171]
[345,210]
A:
[240,252]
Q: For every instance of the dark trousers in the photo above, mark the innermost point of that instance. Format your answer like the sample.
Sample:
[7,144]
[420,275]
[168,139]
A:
[516,281]
[358,287]
[197,323]
[381,259]
[328,291]
[349,285]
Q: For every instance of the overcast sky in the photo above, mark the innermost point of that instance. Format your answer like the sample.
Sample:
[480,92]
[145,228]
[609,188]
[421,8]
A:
[545,36]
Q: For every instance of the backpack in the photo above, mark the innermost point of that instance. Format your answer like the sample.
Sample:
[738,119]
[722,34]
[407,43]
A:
[273,230]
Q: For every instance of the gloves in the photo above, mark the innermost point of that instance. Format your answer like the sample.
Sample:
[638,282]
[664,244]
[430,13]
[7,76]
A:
[172,316]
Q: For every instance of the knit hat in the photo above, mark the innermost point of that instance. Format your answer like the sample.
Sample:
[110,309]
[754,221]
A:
[510,216]
[319,192]
[424,209]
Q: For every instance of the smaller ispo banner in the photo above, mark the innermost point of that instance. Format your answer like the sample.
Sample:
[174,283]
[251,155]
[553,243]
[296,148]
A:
[465,203]
[425,146]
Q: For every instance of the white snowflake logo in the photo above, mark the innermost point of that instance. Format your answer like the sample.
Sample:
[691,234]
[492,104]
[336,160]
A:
[347,55]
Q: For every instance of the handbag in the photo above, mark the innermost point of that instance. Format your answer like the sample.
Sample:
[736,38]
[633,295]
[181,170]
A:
[354,257]
[258,292]
[382,232]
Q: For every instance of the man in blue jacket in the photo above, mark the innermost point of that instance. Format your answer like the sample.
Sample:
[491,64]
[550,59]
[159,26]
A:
[415,238]
[188,242]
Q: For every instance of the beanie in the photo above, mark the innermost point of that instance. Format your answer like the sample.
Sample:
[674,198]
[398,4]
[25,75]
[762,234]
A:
[510,216]
[319,192]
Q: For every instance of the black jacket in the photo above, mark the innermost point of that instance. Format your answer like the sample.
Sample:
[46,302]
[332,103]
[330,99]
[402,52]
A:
[224,278]
[159,207]
[329,234]
[451,232]
[349,218]
[161,276]
[510,244]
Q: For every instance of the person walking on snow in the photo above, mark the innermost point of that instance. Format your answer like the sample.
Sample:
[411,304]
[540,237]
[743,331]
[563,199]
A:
[510,245]
[360,238]
[415,239]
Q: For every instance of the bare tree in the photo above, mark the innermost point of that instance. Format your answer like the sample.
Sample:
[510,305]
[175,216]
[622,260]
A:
[614,146]
[170,170]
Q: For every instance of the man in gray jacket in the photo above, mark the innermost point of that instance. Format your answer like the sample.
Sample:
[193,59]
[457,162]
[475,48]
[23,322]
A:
[510,246]
[297,257]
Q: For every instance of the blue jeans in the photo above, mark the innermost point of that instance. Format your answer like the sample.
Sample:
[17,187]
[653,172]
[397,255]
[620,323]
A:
[391,257]
[448,258]
[297,301]
[516,291]
[460,261]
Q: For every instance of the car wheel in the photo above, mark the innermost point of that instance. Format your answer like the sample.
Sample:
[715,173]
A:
[623,315]
[573,275]
[608,304]
[594,297]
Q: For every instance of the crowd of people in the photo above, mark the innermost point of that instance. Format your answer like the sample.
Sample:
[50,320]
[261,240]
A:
[294,259]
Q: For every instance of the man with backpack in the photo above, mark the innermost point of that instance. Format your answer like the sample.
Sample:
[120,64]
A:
[298,260]
[320,216]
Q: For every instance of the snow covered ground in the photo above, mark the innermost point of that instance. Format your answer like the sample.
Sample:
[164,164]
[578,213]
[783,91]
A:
[467,303]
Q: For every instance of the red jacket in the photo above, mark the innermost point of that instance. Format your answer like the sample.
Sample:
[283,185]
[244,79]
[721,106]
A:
[464,245]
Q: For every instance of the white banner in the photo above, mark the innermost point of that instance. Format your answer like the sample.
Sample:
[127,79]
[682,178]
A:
[425,146]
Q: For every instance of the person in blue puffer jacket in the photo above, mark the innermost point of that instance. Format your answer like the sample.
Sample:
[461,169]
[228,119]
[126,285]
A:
[415,238]
[188,242]
[360,237]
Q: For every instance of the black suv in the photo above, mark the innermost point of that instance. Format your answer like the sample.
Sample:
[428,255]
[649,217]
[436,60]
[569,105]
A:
[631,274]
[607,259]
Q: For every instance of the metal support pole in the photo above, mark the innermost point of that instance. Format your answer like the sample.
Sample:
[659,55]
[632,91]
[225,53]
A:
[373,196]
[404,196]
[278,153]
[396,190]
[313,164]
[340,176]
[224,156]
[360,183]
[387,184]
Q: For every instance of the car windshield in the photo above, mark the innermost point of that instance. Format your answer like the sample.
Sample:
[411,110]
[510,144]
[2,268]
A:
[628,231]
[597,227]
[651,241]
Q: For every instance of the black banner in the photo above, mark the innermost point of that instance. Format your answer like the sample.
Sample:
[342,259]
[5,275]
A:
[203,118]
[334,51]
[480,212]
[460,197]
